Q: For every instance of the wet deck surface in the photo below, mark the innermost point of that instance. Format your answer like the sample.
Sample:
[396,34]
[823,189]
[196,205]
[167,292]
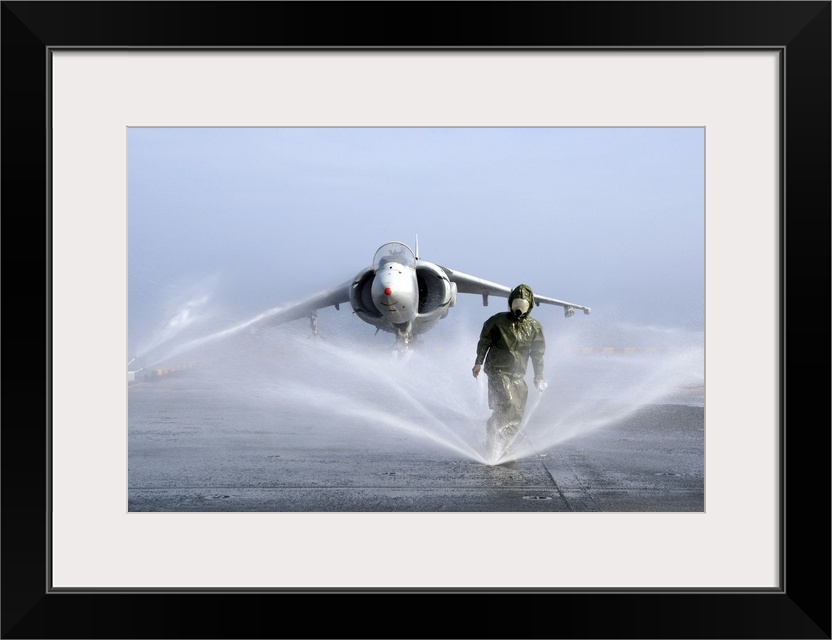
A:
[197,450]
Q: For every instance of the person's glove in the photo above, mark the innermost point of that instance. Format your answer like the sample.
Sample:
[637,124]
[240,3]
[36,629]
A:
[540,383]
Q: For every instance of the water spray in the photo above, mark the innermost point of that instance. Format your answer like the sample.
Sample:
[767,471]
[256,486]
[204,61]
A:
[420,393]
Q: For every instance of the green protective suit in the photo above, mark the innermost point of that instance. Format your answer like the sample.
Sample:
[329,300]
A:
[506,343]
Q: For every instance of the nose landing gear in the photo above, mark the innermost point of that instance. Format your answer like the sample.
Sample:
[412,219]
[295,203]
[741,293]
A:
[404,336]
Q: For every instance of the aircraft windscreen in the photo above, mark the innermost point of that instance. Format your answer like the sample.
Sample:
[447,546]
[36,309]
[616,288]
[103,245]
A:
[394,252]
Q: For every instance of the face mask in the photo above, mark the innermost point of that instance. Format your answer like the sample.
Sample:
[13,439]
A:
[519,307]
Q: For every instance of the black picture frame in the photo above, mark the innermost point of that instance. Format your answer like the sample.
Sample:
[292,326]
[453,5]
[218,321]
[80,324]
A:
[800,608]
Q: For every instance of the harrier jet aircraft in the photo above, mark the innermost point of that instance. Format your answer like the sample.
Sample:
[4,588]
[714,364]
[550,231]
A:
[402,294]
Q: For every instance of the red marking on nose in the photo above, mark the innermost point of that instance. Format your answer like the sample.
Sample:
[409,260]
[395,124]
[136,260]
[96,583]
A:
[388,291]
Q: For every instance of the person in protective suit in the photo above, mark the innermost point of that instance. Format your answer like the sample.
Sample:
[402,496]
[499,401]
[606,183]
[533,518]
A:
[506,343]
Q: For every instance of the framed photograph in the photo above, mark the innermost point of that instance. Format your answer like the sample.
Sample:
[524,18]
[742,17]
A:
[106,104]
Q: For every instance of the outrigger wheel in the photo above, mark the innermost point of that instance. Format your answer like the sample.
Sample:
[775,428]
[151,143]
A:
[313,323]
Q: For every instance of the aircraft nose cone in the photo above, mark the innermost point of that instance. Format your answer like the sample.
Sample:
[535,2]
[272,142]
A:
[388,291]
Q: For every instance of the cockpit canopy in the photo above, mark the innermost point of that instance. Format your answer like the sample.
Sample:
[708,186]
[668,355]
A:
[394,252]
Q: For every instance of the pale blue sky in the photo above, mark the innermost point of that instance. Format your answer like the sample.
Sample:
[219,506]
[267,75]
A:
[604,217]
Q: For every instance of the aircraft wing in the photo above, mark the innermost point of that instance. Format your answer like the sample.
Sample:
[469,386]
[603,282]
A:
[471,284]
[306,308]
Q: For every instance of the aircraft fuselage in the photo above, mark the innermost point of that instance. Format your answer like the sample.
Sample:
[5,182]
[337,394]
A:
[401,294]
[395,292]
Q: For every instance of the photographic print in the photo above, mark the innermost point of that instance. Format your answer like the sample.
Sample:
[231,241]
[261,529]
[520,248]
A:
[416,319]
[255,391]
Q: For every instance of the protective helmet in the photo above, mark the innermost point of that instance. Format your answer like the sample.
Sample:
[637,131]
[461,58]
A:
[521,300]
